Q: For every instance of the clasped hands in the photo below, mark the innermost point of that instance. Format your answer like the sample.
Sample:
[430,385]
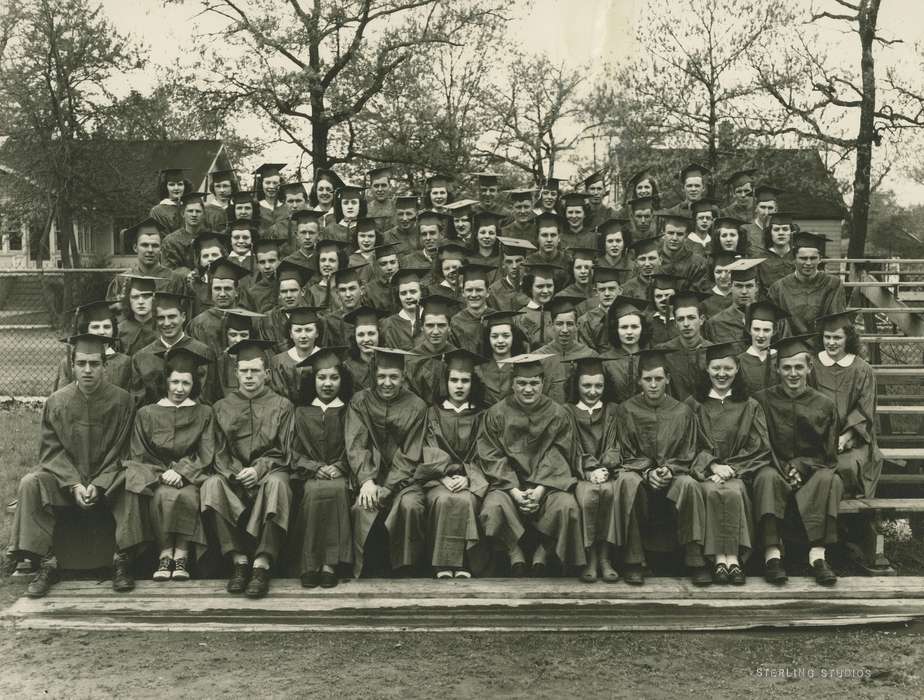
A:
[721,473]
[85,496]
[372,496]
[659,477]
[528,500]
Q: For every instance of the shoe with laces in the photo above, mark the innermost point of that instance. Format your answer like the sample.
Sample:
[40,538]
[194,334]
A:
[45,577]
[180,572]
[163,569]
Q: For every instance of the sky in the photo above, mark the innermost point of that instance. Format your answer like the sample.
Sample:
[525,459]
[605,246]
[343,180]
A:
[585,33]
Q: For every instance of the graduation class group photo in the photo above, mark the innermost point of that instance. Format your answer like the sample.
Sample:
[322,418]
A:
[338,379]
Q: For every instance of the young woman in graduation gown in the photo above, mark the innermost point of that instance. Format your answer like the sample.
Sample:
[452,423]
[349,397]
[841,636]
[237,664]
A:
[286,369]
[449,471]
[171,453]
[732,445]
[628,332]
[501,340]
[322,526]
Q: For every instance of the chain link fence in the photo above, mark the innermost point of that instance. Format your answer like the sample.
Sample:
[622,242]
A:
[36,311]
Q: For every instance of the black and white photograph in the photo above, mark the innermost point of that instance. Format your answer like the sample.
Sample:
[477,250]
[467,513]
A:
[462,348]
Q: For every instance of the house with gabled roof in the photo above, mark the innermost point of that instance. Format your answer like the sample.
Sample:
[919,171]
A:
[119,178]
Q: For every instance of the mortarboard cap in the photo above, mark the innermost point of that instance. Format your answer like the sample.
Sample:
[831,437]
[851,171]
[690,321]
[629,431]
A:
[673,215]
[438,305]
[301,216]
[450,250]
[477,271]
[88,343]
[145,227]
[289,270]
[544,269]
[250,349]
[804,239]
[724,259]
[665,280]
[693,170]
[210,239]
[93,311]
[438,180]
[324,358]
[515,246]
[391,358]
[582,253]
[364,316]
[142,283]
[641,203]
[687,298]
[766,193]
[782,218]
[380,172]
[527,364]
[652,358]
[550,183]
[563,304]
[406,275]
[486,218]
[719,351]
[462,360]
[329,244]
[833,322]
[350,190]
[461,207]
[575,199]
[598,176]
[182,358]
[739,177]
[244,197]
[173,174]
[407,201]
[293,188]
[764,311]
[350,274]
[500,318]
[329,175]
[548,218]
[269,169]
[744,269]
[429,217]
[612,226]
[521,194]
[193,197]
[626,306]
[243,224]
[303,315]
[703,205]
[385,250]
[586,362]
[239,319]
[170,300]
[221,175]
[224,269]
[365,224]
[643,246]
[793,345]
[727,222]
[487,179]
[605,273]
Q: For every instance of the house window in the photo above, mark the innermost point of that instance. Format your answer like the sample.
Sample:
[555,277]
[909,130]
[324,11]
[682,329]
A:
[10,234]
[120,244]
[84,237]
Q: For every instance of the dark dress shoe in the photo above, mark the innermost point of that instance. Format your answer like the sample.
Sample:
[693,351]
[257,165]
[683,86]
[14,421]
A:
[238,581]
[311,580]
[774,571]
[538,569]
[632,574]
[720,574]
[700,576]
[736,575]
[122,580]
[519,569]
[42,581]
[824,574]
[259,583]
[329,579]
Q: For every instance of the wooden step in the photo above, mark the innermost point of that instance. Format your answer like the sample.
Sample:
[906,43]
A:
[902,453]
[901,480]
[893,505]
[901,410]
[476,605]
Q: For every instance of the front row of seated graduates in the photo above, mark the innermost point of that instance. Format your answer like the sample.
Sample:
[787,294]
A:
[361,458]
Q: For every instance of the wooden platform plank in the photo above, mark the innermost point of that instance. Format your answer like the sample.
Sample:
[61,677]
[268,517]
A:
[903,505]
[900,410]
[903,452]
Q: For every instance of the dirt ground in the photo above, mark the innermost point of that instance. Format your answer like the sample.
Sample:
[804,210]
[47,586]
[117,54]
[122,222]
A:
[886,662]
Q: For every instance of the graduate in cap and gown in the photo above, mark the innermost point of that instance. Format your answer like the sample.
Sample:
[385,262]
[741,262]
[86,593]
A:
[686,357]
[778,253]
[319,461]
[208,327]
[694,178]
[267,180]
[528,451]
[564,341]
[425,368]
[84,431]
[703,214]
[257,291]
[171,452]
[720,296]
[146,239]
[364,241]
[728,324]
[384,434]
[208,247]
[286,367]
[539,283]
[377,290]
[505,293]
[330,257]
[402,329]
[848,380]
[306,228]
[732,446]
[177,246]
[614,240]
[500,340]
[485,247]
[766,203]
[240,324]
[592,328]
[577,231]
[247,501]
[523,225]
[595,187]
[381,205]
[679,255]
[449,471]
[598,447]
[741,186]
[808,292]
[581,273]
[360,359]
[288,294]
[803,426]
[137,327]
[647,264]
[659,502]
[242,238]
[465,325]
[97,318]
[660,310]
[349,292]
[628,333]
[757,364]
[171,186]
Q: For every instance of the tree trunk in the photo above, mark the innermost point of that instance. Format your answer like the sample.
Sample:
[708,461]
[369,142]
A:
[319,133]
[859,211]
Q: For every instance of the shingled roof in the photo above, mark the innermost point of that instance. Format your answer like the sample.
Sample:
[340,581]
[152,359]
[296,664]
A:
[810,190]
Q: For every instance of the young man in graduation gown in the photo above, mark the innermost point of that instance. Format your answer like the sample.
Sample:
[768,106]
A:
[727,325]
[147,241]
[720,296]
[528,452]
[660,311]
[381,206]
[377,291]
[777,252]
[679,255]
[384,434]
[257,291]
[556,372]
[425,368]
[765,205]
[686,356]
[85,430]
[404,230]
[349,291]
[423,251]
[647,265]
[148,383]
[209,326]
[289,294]
[97,318]
[808,292]
[465,325]
[757,364]
[523,225]
[592,330]
[177,250]
[661,505]
[694,180]
[802,423]
[548,233]
[595,186]
[504,294]
[741,185]
[137,327]
[247,501]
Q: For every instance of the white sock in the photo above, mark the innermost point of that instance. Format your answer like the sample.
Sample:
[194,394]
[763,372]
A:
[816,553]
[721,559]
[731,559]
[772,553]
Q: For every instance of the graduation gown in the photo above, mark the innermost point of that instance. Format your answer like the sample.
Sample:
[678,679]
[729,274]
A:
[852,387]
[592,329]
[526,447]
[384,443]
[452,518]
[726,326]
[170,281]
[687,366]
[621,373]
[774,268]
[360,373]
[424,373]
[527,232]
[637,288]
[81,441]
[379,294]
[806,300]
[556,384]
[148,383]
[134,335]
[286,379]
[598,446]
[215,215]
[251,432]
[117,371]
[179,438]
[209,328]
[662,328]
[322,526]
[467,330]
[715,303]
[803,434]
[495,379]
[536,325]
[732,433]
[652,437]
[758,374]
[177,252]
[689,264]
[504,296]
[397,332]
[258,292]
[168,215]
